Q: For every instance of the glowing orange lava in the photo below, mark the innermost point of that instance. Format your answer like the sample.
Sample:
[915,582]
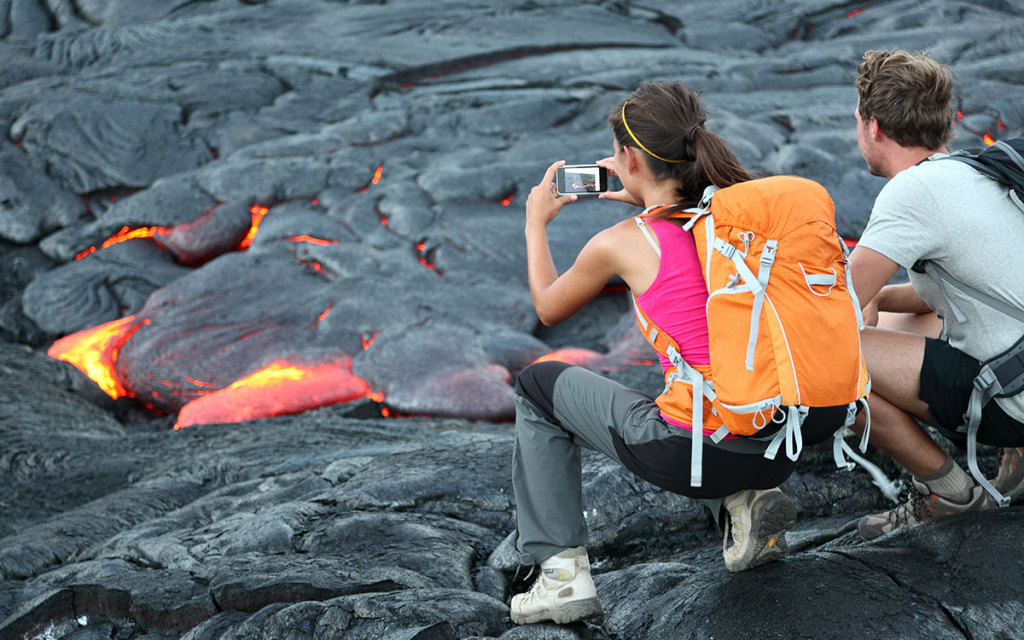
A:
[125,234]
[311,240]
[257,211]
[570,355]
[593,360]
[280,388]
[989,140]
[368,341]
[507,200]
[94,352]
[854,12]
[424,257]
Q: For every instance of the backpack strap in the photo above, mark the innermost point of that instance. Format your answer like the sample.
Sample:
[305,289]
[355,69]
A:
[1000,376]
[944,280]
[1010,152]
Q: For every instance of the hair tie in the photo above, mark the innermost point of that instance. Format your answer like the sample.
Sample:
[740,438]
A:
[640,144]
[693,129]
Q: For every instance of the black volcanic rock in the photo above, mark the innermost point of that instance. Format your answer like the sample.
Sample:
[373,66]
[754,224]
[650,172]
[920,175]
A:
[391,146]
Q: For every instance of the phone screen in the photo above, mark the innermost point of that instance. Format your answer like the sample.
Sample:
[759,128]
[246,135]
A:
[581,178]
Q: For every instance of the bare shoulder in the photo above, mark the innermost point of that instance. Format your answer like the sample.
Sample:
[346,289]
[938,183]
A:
[621,233]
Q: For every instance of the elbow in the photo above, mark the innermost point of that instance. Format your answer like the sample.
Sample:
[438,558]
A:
[546,319]
[547,316]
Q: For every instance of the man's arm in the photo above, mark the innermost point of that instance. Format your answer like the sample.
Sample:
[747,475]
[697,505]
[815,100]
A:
[901,298]
[870,271]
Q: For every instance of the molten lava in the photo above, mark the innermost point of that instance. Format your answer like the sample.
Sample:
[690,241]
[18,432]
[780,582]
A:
[125,234]
[425,257]
[594,360]
[280,388]
[94,352]
[258,211]
[311,240]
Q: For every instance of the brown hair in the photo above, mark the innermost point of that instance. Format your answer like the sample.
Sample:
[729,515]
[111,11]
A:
[666,121]
[910,95]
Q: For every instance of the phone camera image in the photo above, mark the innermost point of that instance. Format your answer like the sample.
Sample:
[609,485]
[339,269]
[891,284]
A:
[581,179]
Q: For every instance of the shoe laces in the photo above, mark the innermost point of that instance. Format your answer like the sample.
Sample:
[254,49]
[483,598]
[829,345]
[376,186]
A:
[911,511]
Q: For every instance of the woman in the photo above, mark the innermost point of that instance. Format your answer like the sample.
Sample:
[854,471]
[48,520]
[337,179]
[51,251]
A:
[663,155]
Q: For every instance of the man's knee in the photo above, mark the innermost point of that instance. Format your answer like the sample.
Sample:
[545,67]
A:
[536,383]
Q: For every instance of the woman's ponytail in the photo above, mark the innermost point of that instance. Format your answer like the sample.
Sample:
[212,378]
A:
[717,160]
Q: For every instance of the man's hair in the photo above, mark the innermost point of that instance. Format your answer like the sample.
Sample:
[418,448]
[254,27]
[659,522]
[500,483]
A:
[909,94]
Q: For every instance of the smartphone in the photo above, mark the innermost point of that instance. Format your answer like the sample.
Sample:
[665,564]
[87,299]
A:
[581,179]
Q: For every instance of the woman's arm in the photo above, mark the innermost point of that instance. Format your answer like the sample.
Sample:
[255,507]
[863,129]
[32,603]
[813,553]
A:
[557,297]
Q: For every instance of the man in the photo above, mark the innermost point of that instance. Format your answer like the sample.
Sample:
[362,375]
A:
[947,213]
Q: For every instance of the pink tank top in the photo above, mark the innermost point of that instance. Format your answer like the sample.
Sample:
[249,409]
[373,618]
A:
[676,300]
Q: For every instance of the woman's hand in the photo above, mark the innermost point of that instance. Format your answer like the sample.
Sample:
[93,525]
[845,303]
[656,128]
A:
[544,203]
[621,195]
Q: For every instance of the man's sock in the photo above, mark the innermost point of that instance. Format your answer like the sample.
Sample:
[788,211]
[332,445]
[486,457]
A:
[950,482]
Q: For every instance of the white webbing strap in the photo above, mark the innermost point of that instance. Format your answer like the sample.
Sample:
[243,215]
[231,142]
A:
[839,444]
[720,434]
[697,426]
[763,273]
[890,488]
[986,386]
[736,256]
[790,434]
[853,295]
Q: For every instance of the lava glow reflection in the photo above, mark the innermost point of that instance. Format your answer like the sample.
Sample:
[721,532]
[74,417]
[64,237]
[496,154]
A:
[94,352]
[280,388]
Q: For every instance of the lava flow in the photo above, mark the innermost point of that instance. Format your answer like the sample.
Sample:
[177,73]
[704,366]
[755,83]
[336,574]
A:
[94,352]
[280,388]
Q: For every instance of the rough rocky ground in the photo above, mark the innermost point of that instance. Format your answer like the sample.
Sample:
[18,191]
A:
[336,523]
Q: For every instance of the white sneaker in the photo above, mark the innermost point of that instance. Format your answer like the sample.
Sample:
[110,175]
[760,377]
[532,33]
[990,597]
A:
[564,591]
[758,521]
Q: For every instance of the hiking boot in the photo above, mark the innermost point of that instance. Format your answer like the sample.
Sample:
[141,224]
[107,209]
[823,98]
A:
[1010,479]
[563,592]
[922,505]
[758,521]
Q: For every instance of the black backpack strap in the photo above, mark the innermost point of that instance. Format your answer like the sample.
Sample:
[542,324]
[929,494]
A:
[970,159]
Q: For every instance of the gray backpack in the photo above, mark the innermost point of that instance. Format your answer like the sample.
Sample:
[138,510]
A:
[1002,375]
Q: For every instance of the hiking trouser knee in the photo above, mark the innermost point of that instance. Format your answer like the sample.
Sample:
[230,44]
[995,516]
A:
[561,408]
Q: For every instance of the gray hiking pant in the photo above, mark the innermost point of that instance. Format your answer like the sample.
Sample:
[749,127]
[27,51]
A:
[561,408]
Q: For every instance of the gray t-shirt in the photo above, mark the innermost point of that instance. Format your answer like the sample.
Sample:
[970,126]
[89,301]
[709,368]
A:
[947,212]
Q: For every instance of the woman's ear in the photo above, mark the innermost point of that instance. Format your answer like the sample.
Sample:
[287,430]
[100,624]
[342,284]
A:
[632,159]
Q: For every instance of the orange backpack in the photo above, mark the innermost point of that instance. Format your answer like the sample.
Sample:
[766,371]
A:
[783,321]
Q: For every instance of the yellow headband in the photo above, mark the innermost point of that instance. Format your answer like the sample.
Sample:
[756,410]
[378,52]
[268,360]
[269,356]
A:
[640,144]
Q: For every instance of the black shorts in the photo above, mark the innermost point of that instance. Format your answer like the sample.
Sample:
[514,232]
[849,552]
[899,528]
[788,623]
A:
[947,379]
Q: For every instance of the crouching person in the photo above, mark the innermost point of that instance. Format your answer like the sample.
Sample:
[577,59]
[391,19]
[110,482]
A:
[958,234]
[686,440]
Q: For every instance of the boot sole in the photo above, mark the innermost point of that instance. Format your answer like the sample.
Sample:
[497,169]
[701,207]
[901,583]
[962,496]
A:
[770,532]
[568,612]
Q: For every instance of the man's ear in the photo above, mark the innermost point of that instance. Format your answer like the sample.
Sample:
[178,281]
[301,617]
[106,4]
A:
[876,130]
